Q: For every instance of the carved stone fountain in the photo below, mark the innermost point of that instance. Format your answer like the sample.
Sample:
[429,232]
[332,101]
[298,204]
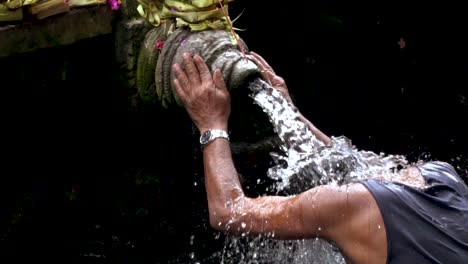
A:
[210,36]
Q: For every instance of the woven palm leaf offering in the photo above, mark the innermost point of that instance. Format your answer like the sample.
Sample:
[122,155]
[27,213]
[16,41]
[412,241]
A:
[11,10]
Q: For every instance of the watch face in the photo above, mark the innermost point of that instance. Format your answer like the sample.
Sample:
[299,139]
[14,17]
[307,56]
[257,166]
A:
[205,137]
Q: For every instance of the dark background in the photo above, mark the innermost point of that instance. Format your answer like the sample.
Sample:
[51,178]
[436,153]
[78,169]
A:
[85,179]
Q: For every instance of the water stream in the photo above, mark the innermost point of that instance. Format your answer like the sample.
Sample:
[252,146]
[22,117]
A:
[304,161]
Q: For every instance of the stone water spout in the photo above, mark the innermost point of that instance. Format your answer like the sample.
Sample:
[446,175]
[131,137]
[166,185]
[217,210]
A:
[164,45]
[214,46]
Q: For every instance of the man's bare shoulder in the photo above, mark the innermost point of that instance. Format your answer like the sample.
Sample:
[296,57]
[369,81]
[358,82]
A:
[338,193]
[337,207]
[349,216]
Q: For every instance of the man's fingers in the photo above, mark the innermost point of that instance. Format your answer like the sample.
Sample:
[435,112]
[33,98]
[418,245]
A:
[190,68]
[219,81]
[181,77]
[178,88]
[203,70]
[257,61]
[262,61]
[261,67]
[266,71]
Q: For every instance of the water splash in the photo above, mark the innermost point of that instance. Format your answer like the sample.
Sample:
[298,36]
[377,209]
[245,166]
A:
[266,250]
[304,162]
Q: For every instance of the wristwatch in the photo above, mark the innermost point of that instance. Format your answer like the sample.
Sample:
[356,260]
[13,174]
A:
[212,134]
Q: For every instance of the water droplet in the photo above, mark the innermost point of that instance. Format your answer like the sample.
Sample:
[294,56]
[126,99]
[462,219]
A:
[319,228]
[243,225]
[194,183]
[192,255]
[379,226]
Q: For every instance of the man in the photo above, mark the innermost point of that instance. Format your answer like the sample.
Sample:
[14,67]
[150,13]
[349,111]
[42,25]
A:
[370,221]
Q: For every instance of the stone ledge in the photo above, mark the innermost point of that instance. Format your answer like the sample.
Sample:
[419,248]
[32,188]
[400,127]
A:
[63,29]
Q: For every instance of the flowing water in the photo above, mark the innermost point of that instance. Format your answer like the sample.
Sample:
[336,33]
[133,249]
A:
[303,162]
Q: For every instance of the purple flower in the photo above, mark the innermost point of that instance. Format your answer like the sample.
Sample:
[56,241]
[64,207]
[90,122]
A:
[114,4]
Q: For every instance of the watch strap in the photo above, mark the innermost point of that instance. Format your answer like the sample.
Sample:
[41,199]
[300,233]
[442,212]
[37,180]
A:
[208,136]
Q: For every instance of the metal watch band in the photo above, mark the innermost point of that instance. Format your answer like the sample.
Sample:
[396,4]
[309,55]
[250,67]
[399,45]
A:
[212,134]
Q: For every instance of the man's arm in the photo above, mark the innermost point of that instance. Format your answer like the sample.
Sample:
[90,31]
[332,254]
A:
[323,211]
[279,84]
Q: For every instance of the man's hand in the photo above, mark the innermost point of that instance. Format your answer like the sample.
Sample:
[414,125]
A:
[270,76]
[205,97]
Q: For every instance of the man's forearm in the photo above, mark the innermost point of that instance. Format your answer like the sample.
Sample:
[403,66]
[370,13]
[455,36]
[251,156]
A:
[232,212]
[221,179]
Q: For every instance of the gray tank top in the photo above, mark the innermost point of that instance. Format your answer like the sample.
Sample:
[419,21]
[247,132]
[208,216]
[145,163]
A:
[425,226]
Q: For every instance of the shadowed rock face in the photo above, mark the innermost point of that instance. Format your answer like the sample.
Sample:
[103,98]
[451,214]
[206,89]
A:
[214,46]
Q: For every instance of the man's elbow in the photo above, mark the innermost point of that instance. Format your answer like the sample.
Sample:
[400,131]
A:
[220,219]
[227,219]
